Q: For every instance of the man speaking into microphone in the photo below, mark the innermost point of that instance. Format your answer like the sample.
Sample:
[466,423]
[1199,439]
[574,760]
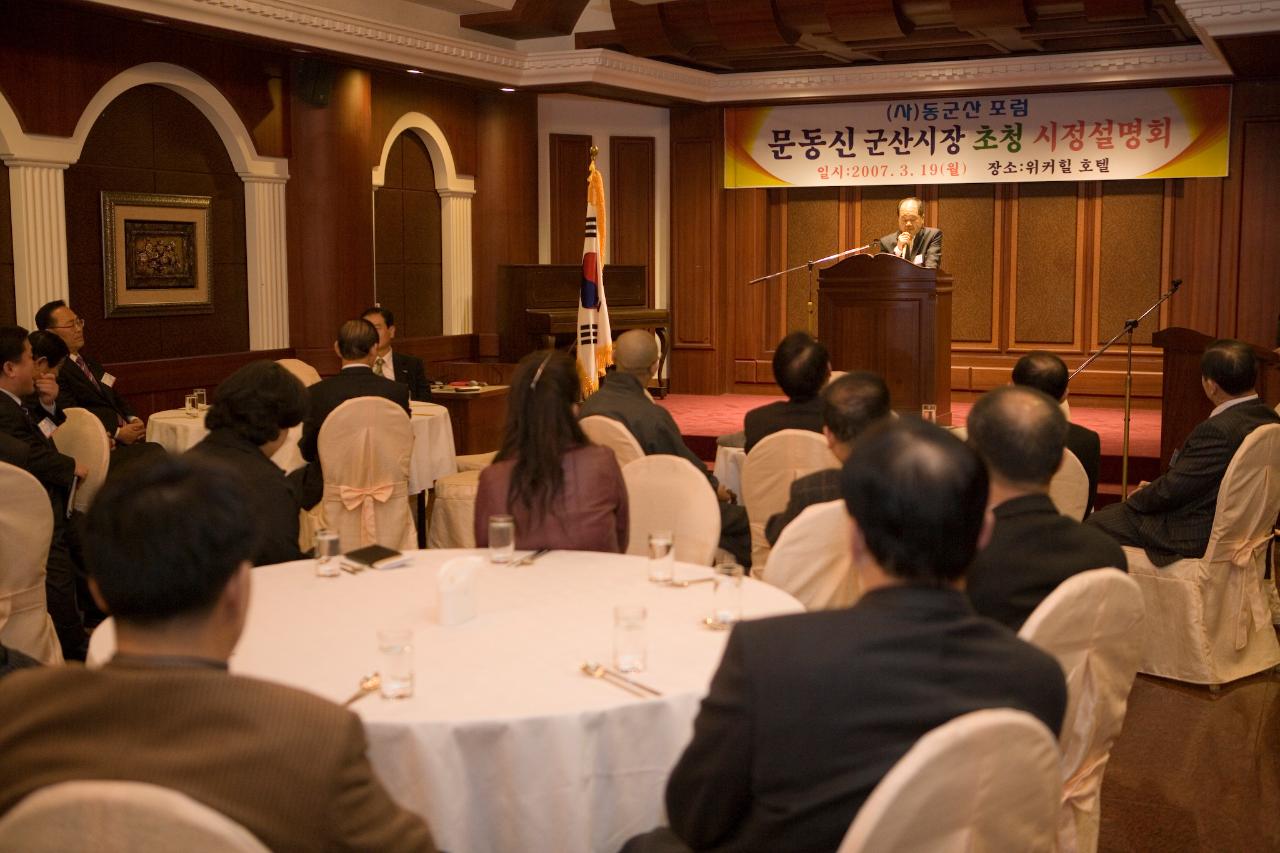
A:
[914,241]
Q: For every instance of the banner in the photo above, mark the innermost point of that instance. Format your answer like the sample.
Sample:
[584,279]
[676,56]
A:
[595,338]
[1075,136]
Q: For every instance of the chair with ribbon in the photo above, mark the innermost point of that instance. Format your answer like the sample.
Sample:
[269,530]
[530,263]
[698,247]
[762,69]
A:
[364,446]
[987,780]
[306,374]
[612,434]
[669,493]
[26,528]
[813,558]
[1069,488]
[1208,619]
[770,468]
[1092,624]
[83,438]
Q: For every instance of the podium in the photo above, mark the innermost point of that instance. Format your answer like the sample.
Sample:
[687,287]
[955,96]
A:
[881,313]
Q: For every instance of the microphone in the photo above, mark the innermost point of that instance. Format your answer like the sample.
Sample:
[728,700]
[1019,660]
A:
[1174,285]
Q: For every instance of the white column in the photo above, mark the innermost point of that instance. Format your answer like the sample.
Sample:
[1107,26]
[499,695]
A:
[455,240]
[268,267]
[39,236]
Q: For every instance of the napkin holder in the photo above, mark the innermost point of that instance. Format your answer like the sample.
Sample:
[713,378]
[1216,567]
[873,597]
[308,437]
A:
[456,593]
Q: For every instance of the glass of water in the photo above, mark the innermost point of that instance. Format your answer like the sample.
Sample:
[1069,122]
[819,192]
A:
[189,405]
[395,654]
[726,602]
[662,556]
[202,402]
[629,653]
[326,553]
[502,538]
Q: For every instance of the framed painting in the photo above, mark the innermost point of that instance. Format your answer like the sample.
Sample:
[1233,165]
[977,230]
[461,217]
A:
[156,254]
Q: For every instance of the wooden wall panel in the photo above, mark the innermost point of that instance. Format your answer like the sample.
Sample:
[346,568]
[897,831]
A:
[968,218]
[631,204]
[1258,306]
[1043,293]
[757,315]
[570,157]
[407,242]
[155,385]
[879,211]
[7,296]
[813,231]
[1129,251]
[1195,248]
[450,106]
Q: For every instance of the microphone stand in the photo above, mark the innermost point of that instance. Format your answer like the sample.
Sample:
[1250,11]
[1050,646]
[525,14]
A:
[1129,327]
[809,265]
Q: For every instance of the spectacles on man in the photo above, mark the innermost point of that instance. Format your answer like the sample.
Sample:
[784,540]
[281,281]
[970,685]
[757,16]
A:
[77,323]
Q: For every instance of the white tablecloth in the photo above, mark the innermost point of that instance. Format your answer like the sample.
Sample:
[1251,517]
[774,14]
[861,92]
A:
[505,744]
[728,468]
[433,453]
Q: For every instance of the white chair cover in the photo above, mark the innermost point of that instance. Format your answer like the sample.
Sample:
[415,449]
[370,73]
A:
[1208,620]
[1092,623]
[813,558]
[476,461]
[364,446]
[83,438]
[113,816]
[771,467]
[986,782]
[26,528]
[612,434]
[102,644]
[307,374]
[453,511]
[669,493]
[1069,488]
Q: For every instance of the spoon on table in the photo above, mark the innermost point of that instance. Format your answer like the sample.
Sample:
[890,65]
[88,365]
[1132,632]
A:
[685,583]
[368,684]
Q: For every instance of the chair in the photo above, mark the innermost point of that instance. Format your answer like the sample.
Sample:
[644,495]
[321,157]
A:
[307,374]
[813,558]
[612,434]
[985,781]
[112,816]
[1092,624]
[83,438]
[364,447]
[1069,488]
[1208,620]
[476,461]
[771,467]
[453,511]
[669,493]
[26,528]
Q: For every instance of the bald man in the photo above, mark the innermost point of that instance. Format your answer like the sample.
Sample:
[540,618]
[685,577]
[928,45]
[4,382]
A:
[914,241]
[622,396]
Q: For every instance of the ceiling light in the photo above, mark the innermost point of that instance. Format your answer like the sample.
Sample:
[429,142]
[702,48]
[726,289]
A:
[506,89]
[413,71]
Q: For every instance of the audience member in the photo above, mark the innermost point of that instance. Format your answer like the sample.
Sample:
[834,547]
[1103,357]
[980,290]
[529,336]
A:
[1019,432]
[563,491]
[169,548]
[357,346]
[1172,517]
[622,396]
[12,660]
[801,367]
[850,404]
[1047,373]
[48,353]
[807,712]
[396,366]
[249,420]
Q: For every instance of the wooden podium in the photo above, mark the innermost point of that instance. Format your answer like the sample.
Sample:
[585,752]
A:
[881,313]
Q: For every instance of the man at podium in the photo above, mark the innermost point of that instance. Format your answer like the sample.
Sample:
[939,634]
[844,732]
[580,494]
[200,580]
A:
[914,241]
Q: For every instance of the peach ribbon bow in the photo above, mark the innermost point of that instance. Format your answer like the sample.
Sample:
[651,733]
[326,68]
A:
[362,498]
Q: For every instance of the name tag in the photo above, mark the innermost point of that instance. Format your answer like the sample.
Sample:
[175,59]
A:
[919,259]
[108,380]
[48,427]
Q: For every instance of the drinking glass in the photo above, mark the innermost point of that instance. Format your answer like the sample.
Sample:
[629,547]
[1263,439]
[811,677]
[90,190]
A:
[189,405]
[662,556]
[395,652]
[202,402]
[326,553]
[502,538]
[726,596]
[628,637]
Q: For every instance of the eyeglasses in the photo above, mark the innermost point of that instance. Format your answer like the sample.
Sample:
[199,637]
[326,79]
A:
[77,323]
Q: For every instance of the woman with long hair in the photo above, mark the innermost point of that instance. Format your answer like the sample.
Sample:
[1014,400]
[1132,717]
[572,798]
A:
[563,491]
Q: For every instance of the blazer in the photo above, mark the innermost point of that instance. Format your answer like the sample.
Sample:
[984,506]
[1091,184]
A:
[274,501]
[1087,446]
[103,401]
[589,514]
[327,394]
[807,713]
[54,470]
[784,414]
[816,488]
[409,371]
[1033,548]
[287,765]
[928,242]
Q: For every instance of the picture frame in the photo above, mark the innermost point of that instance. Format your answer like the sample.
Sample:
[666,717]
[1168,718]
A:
[156,254]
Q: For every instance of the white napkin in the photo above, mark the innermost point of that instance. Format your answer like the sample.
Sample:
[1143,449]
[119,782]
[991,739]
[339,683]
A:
[456,597]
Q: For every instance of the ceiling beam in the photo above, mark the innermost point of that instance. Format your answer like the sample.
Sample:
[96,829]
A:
[528,19]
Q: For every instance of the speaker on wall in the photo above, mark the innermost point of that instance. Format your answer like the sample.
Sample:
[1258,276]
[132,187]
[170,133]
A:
[313,81]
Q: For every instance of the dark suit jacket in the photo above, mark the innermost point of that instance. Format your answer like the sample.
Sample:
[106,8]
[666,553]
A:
[275,505]
[784,414]
[816,488]
[54,470]
[105,403]
[808,712]
[288,766]
[1033,548]
[1087,447]
[928,242]
[409,371]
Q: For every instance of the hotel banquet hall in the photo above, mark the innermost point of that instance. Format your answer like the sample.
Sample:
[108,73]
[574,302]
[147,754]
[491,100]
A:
[209,184]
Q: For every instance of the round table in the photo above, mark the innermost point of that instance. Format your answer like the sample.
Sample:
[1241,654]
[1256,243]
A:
[506,744]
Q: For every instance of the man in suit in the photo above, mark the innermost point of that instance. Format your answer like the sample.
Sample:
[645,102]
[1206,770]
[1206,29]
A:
[356,345]
[1172,517]
[807,712]
[801,366]
[850,404]
[1019,433]
[1047,373]
[914,241]
[398,367]
[169,548]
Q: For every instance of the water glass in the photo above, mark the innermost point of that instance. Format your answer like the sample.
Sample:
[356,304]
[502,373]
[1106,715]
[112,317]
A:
[395,653]
[629,654]
[189,405]
[327,554]
[502,538]
[662,556]
[726,601]
[202,402]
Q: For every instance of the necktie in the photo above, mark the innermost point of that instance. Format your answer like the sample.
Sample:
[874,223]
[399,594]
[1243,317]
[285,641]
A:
[377,365]
[84,367]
